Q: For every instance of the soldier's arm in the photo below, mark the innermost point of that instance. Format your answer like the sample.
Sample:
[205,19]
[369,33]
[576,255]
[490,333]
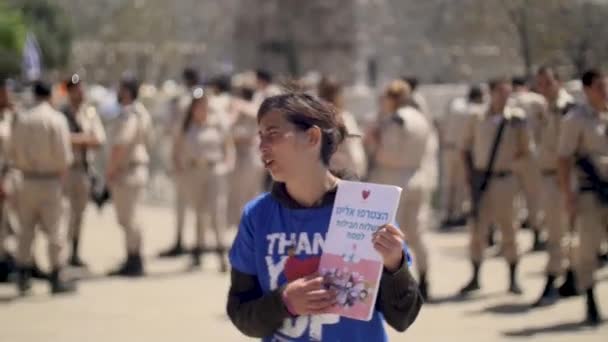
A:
[255,314]
[65,147]
[399,298]
[98,135]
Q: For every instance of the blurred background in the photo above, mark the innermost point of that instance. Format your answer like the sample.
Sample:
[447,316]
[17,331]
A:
[447,45]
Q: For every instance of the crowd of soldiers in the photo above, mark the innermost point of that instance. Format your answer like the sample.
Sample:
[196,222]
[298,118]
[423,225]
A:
[514,144]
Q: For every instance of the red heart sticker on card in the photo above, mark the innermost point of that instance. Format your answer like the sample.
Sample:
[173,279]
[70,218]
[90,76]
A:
[365,194]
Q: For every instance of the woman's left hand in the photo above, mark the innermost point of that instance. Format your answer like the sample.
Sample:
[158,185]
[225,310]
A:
[388,241]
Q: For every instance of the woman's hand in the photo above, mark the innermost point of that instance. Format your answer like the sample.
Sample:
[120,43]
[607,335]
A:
[388,241]
[308,296]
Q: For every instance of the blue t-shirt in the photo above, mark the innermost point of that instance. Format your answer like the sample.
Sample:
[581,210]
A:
[279,244]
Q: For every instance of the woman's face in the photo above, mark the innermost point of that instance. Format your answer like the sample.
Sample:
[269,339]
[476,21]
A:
[199,111]
[286,151]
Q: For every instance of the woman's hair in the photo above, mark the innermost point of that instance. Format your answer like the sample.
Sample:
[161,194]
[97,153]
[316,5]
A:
[398,91]
[198,95]
[329,89]
[305,111]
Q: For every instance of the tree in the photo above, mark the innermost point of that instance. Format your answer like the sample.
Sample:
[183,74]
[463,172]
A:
[51,27]
[12,36]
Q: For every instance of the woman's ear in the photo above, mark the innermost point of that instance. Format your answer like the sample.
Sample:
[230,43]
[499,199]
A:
[314,135]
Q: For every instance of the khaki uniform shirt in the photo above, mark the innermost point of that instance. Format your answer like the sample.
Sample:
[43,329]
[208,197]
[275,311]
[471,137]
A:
[550,131]
[480,132]
[584,132]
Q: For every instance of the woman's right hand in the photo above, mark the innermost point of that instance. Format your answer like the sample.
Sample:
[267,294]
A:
[308,296]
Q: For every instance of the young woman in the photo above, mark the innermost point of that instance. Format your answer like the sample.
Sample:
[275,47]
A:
[278,299]
[205,155]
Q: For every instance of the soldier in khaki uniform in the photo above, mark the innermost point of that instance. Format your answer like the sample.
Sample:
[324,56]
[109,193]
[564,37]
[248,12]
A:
[247,177]
[455,190]
[397,156]
[496,204]
[40,149]
[87,134]
[205,156]
[350,155]
[584,134]
[529,174]
[127,173]
[179,107]
[559,102]
[7,262]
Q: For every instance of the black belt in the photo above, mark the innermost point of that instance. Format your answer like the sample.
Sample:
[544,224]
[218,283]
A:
[41,175]
[496,174]
[549,173]
[199,164]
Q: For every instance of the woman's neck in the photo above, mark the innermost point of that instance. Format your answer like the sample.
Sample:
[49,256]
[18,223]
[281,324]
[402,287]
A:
[312,187]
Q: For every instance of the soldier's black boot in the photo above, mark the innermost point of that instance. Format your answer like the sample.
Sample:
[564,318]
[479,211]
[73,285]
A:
[568,288]
[473,284]
[538,244]
[24,280]
[593,315]
[513,285]
[423,286]
[549,295]
[37,273]
[75,260]
[132,267]
[7,268]
[197,253]
[58,285]
[172,252]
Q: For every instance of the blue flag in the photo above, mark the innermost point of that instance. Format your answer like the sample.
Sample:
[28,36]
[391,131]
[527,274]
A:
[31,64]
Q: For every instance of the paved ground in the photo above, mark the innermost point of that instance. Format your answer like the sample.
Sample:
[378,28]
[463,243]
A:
[174,304]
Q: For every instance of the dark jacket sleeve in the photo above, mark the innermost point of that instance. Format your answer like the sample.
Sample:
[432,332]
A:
[399,298]
[255,314]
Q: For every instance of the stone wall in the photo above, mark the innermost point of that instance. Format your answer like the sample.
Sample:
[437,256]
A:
[356,40]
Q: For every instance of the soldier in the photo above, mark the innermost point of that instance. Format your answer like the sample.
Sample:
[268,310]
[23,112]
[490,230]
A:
[40,149]
[127,172]
[528,175]
[559,102]
[205,155]
[247,176]
[350,155]
[87,134]
[7,262]
[583,152]
[455,191]
[179,107]
[404,128]
[496,139]
[265,87]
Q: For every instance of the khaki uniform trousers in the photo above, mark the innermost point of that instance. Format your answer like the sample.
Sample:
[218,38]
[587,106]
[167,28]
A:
[554,220]
[181,200]
[496,207]
[126,193]
[455,191]
[77,190]
[592,220]
[530,181]
[208,196]
[39,204]
[411,208]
